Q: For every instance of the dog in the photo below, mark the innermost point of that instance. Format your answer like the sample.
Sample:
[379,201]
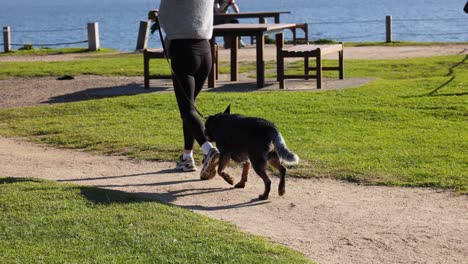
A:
[251,141]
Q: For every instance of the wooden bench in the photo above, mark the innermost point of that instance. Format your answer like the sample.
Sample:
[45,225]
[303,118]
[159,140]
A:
[159,54]
[310,51]
[304,28]
[147,56]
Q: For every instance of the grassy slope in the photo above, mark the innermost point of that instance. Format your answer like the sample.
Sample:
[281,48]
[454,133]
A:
[47,222]
[406,128]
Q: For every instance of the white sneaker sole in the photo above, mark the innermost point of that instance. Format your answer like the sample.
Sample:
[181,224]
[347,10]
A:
[210,170]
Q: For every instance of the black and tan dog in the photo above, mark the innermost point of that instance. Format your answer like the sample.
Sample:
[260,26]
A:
[253,139]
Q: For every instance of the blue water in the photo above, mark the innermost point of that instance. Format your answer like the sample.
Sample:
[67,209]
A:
[341,20]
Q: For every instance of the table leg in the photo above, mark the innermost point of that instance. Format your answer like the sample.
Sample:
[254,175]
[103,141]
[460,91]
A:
[279,48]
[277,19]
[211,76]
[260,62]
[234,49]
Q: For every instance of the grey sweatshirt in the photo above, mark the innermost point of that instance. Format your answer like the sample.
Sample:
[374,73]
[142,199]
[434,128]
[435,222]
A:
[186,19]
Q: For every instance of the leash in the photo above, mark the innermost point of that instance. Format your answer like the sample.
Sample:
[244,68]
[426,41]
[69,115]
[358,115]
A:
[166,56]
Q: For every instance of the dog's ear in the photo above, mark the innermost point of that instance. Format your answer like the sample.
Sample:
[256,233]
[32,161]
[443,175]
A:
[228,110]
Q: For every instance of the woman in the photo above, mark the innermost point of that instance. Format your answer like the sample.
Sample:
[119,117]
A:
[188,25]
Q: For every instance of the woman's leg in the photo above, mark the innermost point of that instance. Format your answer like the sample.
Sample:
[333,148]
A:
[191,64]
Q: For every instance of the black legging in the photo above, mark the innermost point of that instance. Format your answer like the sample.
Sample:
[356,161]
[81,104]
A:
[191,63]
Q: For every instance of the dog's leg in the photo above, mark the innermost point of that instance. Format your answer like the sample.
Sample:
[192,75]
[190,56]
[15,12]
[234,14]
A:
[259,166]
[223,161]
[275,161]
[245,173]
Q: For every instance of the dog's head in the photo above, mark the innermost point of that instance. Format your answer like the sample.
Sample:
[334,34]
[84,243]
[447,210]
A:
[211,124]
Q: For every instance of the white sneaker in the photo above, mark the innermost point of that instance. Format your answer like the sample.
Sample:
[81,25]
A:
[241,44]
[209,164]
[186,165]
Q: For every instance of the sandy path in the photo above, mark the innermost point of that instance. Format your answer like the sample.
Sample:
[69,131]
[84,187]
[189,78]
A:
[329,221]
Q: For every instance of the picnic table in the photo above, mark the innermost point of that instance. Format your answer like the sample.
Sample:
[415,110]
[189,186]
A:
[257,30]
[261,15]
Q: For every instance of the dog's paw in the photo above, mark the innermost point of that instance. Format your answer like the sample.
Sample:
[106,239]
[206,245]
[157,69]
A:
[227,178]
[240,185]
[263,197]
[281,192]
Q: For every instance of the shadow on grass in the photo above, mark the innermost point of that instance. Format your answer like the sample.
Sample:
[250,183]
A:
[450,73]
[101,195]
[106,196]
[104,92]
[93,194]
[121,176]
[16,180]
[238,87]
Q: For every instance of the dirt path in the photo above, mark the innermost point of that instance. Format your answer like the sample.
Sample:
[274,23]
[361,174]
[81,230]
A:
[329,221]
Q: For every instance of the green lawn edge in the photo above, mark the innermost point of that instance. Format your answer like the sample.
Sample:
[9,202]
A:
[48,222]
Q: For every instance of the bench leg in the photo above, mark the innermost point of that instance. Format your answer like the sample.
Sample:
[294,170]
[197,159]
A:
[319,69]
[294,36]
[280,70]
[146,70]
[306,67]
[306,33]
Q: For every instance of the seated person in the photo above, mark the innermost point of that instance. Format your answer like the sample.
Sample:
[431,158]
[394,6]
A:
[222,6]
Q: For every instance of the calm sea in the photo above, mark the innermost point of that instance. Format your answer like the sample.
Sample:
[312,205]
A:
[59,21]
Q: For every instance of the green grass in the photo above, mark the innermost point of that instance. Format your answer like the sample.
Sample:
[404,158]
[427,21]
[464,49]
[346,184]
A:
[406,128]
[48,222]
[107,65]
[47,51]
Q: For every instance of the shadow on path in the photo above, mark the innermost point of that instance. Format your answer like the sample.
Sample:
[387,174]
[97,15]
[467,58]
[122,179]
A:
[104,92]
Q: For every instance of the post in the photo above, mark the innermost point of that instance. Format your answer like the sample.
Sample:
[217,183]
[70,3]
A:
[142,35]
[389,29]
[6,39]
[93,36]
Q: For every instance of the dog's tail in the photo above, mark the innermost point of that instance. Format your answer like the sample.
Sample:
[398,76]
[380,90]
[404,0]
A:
[283,151]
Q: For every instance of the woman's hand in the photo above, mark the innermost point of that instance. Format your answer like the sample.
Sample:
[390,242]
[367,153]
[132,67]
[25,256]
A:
[152,14]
